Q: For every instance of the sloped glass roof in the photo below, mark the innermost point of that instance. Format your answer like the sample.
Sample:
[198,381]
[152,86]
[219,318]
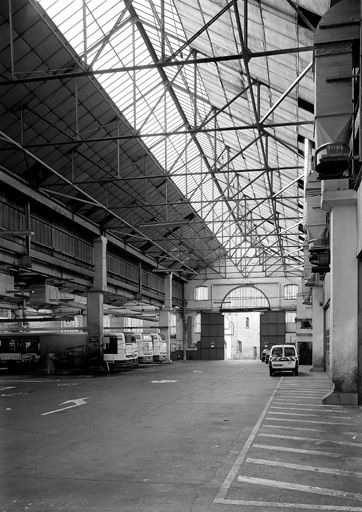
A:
[211,124]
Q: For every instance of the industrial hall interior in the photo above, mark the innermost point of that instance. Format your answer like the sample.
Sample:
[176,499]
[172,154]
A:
[182,177]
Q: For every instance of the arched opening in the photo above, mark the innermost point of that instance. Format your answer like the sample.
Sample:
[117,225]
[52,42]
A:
[244,298]
[241,308]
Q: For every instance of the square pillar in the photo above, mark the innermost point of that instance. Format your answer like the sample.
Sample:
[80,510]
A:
[344,296]
[165,322]
[318,330]
[95,294]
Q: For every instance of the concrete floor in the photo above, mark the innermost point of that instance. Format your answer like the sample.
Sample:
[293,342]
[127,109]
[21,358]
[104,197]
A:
[193,436]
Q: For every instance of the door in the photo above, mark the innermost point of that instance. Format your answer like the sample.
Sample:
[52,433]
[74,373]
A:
[211,345]
[272,329]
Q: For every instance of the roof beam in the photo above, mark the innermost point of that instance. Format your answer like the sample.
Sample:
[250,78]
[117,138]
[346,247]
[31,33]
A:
[56,75]
[190,131]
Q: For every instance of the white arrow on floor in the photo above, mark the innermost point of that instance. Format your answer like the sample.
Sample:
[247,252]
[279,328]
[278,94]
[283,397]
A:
[76,403]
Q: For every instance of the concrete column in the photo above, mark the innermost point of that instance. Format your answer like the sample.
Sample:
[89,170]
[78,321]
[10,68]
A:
[318,330]
[165,312]
[344,296]
[95,294]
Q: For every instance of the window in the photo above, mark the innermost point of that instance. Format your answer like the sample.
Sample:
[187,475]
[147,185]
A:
[247,322]
[290,291]
[201,293]
[290,317]
[198,322]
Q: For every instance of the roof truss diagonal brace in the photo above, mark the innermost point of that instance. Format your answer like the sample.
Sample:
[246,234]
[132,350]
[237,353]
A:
[245,52]
[201,31]
[165,80]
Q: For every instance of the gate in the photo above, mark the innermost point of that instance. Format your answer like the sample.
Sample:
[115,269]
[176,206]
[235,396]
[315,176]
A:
[272,329]
[211,345]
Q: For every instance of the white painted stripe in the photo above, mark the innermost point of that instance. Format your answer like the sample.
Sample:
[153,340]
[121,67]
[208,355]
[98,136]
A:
[307,382]
[304,467]
[312,439]
[19,381]
[306,429]
[241,457]
[337,407]
[310,421]
[293,413]
[305,385]
[268,505]
[291,394]
[297,450]
[313,409]
[297,391]
[300,487]
[307,388]
[300,397]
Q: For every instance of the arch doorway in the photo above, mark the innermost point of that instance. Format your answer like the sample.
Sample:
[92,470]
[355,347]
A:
[241,308]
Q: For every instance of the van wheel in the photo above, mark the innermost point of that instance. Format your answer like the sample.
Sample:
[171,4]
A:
[296,372]
[271,372]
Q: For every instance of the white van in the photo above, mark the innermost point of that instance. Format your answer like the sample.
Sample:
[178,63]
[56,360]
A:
[157,341]
[145,347]
[163,350]
[119,350]
[283,358]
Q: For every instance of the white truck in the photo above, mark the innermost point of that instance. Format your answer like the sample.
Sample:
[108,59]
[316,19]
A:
[120,349]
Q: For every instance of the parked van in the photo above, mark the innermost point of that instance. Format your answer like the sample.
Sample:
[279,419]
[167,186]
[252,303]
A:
[156,341]
[139,341]
[163,350]
[145,347]
[119,349]
[283,358]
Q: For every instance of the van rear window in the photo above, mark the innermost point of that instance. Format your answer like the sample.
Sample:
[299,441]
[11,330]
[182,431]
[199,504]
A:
[289,351]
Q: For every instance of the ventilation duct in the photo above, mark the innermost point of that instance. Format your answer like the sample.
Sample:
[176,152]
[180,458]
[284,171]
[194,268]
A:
[335,47]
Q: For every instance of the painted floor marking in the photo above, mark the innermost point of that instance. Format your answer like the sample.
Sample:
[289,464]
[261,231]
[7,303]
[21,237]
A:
[312,439]
[300,487]
[321,406]
[19,381]
[311,421]
[162,381]
[304,429]
[76,403]
[290,394]
[309,414]
[304,467]
[296,450]
[225,486]
[293,413]
[267,505]
[313,409]
[305,388]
